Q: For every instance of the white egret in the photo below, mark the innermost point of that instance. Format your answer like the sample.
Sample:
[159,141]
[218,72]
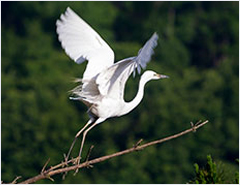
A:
[103,82]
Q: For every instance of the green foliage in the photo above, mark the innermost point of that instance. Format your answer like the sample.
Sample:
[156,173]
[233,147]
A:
[209,174]
[237,174]
[198,48]
[213,174]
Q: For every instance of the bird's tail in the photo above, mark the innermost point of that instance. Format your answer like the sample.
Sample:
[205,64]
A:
[74,98]
[76,80]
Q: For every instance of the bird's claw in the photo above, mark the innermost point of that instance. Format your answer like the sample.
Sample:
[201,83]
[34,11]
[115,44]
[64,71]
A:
[77,161]
[65,158]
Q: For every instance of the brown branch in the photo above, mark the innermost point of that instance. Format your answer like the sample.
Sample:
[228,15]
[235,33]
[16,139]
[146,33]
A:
[15,180]
[59,168]
[45,165]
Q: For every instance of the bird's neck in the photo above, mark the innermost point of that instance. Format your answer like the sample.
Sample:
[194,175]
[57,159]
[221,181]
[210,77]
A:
[132,104]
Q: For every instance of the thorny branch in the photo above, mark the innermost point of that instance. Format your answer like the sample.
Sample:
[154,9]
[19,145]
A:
[64,168]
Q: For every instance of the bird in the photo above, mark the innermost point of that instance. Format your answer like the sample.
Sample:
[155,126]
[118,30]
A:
[102,86]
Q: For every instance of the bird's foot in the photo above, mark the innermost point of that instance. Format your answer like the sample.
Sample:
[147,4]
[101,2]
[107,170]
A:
[65,164]
[65,160]
[76,161]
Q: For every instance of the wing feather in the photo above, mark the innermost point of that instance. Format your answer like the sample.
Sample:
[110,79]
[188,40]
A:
[81,43]
[111,82]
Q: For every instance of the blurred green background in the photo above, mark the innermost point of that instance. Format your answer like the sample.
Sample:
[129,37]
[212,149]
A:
[198,48]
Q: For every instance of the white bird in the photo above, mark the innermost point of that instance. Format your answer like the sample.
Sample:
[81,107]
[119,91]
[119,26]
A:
[103,82]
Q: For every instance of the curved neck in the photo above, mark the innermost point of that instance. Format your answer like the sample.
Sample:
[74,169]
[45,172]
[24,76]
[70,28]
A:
[132,104]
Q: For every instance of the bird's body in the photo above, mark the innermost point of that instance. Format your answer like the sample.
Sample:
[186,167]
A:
[103,83]
[105,106]
[108,107]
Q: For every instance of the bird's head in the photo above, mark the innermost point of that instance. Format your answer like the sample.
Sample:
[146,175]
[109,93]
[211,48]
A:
[151,75]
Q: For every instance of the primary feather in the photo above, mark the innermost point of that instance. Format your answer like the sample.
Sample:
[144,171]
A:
[112,80]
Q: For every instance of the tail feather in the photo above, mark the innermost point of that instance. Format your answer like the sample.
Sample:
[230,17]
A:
[75,98]
[76,80]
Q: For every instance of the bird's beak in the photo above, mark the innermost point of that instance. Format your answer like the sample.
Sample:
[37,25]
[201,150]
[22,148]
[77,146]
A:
[162,76]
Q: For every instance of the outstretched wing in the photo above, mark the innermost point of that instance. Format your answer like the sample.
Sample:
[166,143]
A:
[81,43]
[111,82]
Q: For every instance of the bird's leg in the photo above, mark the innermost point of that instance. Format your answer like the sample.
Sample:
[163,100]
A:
[83,139]
[76,136]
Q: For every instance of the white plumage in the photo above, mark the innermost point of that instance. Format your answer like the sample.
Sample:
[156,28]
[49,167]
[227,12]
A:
[82,43]
[103,82]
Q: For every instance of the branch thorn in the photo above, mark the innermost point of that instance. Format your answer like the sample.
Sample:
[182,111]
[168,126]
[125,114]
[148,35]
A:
[50,178]
[89,152]
[15,180]
[45,165]
[137,144]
